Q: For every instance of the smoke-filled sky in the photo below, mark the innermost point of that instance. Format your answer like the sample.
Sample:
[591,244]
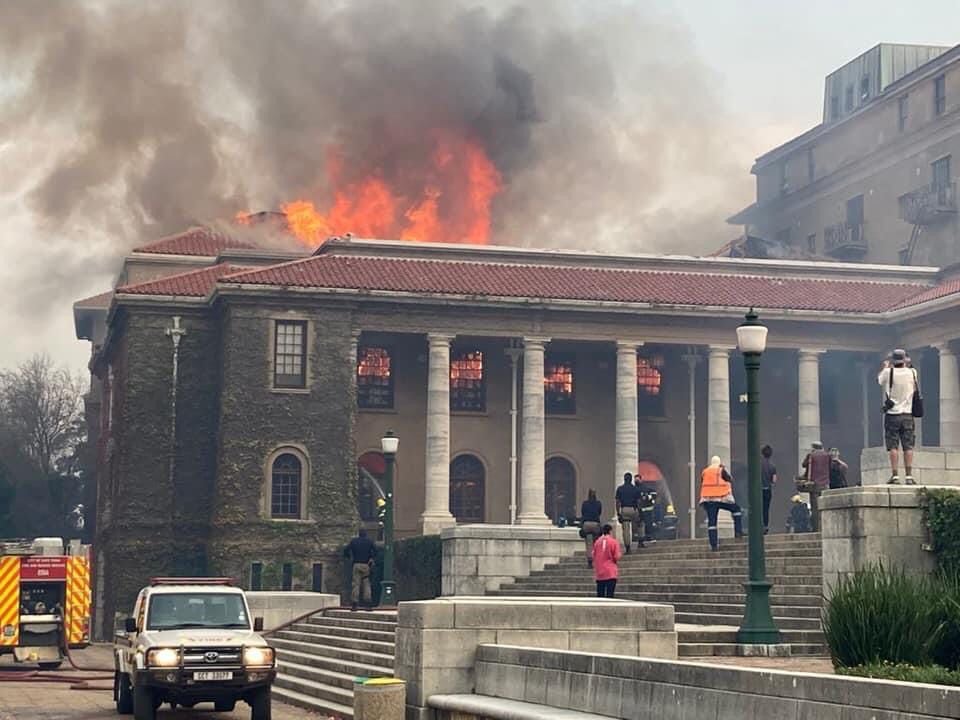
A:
[622,125]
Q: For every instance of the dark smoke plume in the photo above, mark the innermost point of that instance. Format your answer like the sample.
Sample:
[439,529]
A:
[144,118]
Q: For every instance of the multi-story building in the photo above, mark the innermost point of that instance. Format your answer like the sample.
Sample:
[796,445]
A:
[873,182]
[244,395]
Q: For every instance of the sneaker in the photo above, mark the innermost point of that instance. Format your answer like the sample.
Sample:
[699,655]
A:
[909,480]
[353,608]
[894,480]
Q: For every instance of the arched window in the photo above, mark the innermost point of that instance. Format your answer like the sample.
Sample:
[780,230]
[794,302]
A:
[560,489]
[370,469]
[286,482]
[467,479]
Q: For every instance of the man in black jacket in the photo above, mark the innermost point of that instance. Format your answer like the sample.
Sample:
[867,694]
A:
[362,551]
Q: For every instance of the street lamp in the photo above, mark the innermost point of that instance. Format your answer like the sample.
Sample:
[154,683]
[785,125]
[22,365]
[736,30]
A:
[388,588]
[757,626]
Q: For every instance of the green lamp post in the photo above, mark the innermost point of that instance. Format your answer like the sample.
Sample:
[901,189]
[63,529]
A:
[757,627]
[388,588]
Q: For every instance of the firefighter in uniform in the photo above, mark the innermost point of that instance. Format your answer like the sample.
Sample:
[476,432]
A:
[646,505]
[716,494]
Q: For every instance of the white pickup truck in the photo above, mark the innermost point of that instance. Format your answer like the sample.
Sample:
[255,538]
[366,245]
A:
[192,640]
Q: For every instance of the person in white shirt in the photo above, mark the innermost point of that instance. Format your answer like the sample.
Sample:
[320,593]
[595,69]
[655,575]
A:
[899,383]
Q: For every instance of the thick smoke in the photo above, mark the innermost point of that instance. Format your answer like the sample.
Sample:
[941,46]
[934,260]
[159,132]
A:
[138,119]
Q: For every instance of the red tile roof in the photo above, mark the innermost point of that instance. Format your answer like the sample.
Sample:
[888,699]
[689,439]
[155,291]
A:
[948,287]
[582,283]
[197,241]
[196,283]
[96,302]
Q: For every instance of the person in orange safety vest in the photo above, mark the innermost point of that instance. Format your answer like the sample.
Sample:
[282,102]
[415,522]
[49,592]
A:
[716,494]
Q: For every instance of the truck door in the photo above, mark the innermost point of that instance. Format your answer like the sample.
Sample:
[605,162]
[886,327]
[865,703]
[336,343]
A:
[9,600]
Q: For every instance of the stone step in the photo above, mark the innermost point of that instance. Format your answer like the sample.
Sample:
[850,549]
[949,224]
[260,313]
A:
[784,623]
[375,615]
[645,556]
[328,655]
[694,569]
[352,623]
[322,696]
[331,648]
[651,581]
[325,708]
[328,671]
[339,631]
[714,635]
[674,587]
[809,600]
[342,639]
[694,650]
[786,611]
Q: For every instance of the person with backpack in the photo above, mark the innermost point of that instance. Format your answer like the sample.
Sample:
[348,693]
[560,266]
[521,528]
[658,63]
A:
[902,403]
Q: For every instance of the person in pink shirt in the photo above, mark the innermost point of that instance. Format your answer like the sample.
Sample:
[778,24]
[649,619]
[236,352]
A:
[606,555]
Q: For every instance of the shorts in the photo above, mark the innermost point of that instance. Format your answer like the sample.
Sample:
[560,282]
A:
[899,431]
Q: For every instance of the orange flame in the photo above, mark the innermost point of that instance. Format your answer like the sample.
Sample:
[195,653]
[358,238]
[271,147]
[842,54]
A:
[450,202]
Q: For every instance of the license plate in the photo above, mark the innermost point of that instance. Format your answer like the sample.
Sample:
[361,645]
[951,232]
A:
[213,675]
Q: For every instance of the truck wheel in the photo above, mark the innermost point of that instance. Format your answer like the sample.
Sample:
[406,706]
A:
[143,704]
[260,704]
[224,705]
[122,693]
[51,665]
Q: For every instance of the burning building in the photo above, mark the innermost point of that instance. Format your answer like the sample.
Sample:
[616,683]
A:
[245,390]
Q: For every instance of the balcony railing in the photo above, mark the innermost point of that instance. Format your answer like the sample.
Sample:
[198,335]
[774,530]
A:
[844,239]
[929,203]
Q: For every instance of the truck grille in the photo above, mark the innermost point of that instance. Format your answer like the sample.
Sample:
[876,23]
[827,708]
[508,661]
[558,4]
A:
[210,657]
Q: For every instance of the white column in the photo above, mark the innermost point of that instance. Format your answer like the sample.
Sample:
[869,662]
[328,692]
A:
[949,397]
[691,360]
[718,420]
[718,404]
[626,433]
[532,438]
[808,398]
[436,510]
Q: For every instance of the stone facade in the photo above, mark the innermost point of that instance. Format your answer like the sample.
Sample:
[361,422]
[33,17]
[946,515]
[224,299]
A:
[437,640]
[196,506]
[869,525]
[803,186]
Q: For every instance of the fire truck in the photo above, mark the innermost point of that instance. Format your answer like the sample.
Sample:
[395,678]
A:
[44,600]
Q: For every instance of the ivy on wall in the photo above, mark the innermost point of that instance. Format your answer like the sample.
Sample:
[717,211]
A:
[942,518]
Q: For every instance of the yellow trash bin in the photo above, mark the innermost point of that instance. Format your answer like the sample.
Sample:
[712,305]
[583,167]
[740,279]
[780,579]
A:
[379,699]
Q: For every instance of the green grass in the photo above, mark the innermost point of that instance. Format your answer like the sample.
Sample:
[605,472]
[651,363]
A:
[904,672]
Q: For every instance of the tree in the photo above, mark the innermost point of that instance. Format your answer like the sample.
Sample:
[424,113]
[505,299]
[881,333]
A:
[41,443]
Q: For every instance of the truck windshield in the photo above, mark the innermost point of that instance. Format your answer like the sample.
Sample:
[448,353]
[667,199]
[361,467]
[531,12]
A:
[197,610]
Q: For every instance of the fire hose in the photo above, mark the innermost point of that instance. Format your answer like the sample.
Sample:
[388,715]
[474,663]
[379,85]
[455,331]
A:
[43,676]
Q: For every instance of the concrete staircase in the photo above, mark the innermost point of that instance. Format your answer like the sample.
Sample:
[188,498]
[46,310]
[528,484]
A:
[706,588]
[319,658]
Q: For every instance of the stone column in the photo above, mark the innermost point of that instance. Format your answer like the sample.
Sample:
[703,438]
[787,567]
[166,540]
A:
[718,421]
[532,438]
[808,397]
[718,404]
[436,510]
[949,397]
[627,431]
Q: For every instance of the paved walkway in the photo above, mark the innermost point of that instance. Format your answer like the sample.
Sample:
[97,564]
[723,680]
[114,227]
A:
[56,701]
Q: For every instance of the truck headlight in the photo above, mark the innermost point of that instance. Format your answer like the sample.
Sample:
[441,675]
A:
[163,657]
[258,656]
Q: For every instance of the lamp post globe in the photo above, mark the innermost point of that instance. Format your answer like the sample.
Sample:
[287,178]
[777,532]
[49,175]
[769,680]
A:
[757,627]
[389,444]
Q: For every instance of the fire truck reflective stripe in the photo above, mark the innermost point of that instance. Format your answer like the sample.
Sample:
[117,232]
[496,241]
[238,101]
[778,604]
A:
[78,600]
[9,600]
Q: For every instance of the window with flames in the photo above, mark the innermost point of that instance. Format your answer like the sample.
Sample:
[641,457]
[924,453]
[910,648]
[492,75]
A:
[650,386]
[467,381]
[374,378]
[558,387]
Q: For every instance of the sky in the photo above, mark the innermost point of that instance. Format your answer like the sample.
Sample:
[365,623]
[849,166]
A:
[766,62]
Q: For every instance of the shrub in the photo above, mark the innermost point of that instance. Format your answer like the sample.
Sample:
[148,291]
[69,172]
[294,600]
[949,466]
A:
[878,615]
[942,515]
[933,674]
[417,567]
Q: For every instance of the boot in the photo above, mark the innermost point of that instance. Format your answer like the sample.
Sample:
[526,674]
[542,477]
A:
[714,538]
[738,526]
